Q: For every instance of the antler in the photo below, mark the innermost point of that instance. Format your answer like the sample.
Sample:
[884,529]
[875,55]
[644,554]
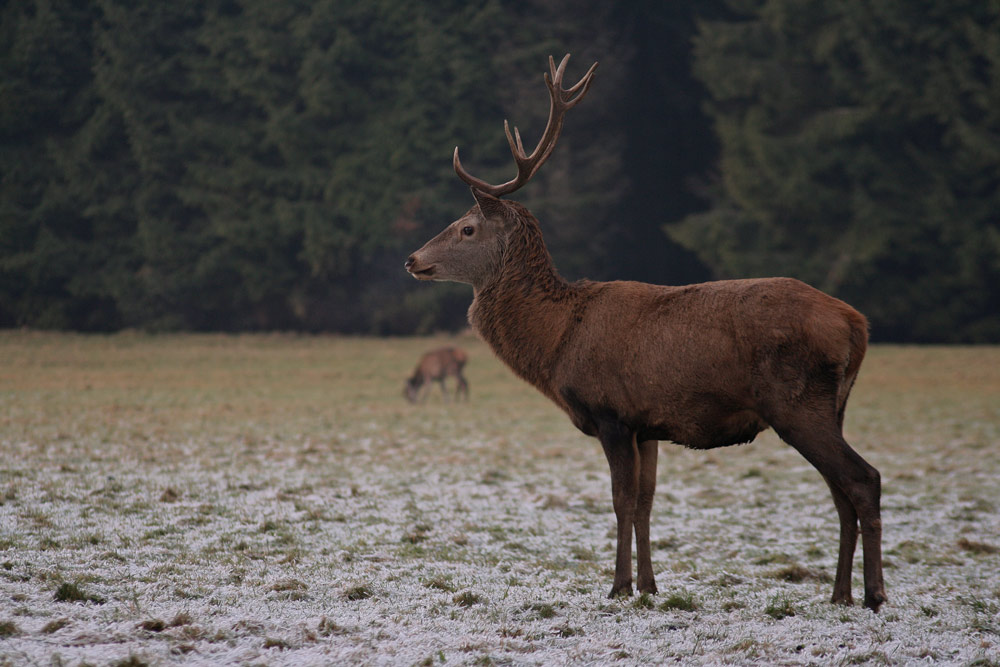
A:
[561,101]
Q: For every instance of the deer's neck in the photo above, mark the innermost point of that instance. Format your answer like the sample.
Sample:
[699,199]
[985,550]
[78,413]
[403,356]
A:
[526,313]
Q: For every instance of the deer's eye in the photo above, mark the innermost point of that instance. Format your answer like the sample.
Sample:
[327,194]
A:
[468,230]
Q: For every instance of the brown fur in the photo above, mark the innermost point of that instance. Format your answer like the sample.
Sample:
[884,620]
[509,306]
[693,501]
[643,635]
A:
[436,366]
[704,365]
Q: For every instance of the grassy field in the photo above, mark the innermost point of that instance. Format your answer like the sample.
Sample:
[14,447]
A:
[274,500]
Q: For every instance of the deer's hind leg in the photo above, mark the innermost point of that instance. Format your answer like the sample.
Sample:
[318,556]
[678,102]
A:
[856,488]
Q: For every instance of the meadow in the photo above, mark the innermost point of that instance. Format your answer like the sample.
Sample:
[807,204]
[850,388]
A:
[273,500]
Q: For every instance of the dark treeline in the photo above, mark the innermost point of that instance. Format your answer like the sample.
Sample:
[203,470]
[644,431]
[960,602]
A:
[248,165]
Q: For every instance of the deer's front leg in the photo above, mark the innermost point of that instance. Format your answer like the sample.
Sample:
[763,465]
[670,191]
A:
[620,450]
[648,451]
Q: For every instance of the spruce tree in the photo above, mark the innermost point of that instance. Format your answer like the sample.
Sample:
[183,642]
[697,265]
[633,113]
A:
[860,153]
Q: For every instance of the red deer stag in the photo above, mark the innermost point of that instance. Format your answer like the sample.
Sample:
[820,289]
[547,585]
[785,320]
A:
[704,365]
[435,366]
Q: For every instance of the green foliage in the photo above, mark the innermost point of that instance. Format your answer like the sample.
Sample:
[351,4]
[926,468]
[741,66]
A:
[244,165]
[861,153]
[229,165]
[644,601]
[358,592]
[679,601]
[71,592]
[239,164]
[467,599]
[779,606]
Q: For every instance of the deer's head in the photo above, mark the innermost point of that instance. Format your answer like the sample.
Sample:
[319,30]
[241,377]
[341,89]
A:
[412,388]
[471,249]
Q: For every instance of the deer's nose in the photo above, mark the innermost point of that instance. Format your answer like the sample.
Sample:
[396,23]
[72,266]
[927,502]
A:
[409,262]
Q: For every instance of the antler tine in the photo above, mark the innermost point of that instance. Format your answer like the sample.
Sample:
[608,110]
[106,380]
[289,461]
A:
[557,73]
[516,147]
[565,96]
[560,101]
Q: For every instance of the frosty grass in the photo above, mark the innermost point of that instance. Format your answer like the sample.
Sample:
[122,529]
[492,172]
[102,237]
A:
[273,500]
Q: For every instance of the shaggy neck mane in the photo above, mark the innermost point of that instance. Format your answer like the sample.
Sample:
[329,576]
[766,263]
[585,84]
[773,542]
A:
[526,260]
[525,312]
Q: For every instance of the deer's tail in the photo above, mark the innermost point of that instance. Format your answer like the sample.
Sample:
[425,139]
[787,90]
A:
[858,345]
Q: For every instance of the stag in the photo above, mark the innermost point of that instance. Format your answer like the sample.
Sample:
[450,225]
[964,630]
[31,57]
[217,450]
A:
[435,366]
[705,365]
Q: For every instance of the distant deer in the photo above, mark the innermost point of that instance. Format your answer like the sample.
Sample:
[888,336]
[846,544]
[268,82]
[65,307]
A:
[435,366]
[705,365]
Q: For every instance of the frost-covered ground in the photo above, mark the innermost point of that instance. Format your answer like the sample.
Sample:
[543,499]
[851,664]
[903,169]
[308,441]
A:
[273,500]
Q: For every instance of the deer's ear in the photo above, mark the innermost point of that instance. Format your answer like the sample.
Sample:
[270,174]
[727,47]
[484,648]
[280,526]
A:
[490,206]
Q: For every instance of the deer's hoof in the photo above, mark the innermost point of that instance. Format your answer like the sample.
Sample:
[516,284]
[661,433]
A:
[623,591]
[874,600]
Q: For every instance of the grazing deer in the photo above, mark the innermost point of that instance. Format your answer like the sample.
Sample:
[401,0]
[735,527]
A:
[435,366]
[705,365]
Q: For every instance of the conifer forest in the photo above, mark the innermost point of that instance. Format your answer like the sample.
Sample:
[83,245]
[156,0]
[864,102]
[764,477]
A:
[247,165]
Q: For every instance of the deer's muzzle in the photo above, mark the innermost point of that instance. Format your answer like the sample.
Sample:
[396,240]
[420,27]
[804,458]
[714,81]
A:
[418,270]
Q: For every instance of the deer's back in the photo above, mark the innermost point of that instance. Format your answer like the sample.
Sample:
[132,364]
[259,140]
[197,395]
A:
[702,364]
[442,362]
